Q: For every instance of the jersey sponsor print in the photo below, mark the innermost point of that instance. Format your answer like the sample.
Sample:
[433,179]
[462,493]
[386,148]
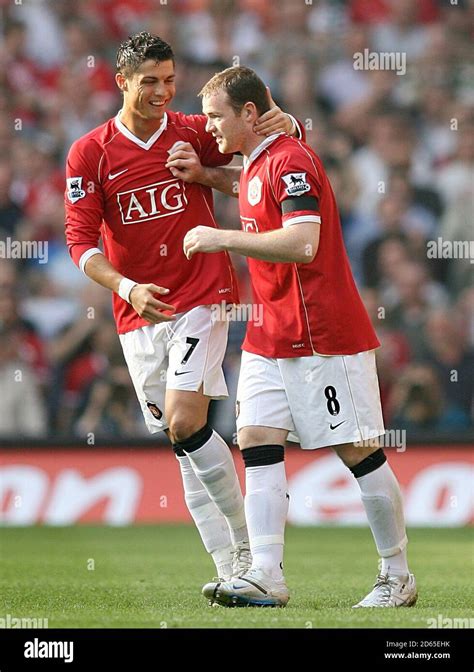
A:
[119,189]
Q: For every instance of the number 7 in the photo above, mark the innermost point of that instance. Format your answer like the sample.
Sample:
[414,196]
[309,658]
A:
[193,343]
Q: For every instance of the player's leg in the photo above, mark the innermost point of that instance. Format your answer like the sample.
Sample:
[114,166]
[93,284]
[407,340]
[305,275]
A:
[266,498]
[209,456]
[382,498]
[335,401]
[196,350]
[211,524]
[145,352]
[262,417]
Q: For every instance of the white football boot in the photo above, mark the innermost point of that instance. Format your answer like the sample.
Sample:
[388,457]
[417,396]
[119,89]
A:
[391,591]
[253,588]
[241,562]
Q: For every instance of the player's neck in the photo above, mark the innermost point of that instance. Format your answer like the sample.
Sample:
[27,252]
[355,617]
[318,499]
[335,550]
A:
[251,143]
[141,128]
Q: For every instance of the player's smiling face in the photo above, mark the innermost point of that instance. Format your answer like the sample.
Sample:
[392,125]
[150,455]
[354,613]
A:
[228,128]
[149,90]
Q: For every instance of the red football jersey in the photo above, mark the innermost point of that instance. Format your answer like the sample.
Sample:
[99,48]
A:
[118,188]
[312,308]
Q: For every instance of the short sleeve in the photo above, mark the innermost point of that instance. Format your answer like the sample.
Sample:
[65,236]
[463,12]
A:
[296,186]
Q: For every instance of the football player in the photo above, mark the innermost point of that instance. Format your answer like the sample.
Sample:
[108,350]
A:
[120,188]
[308,369]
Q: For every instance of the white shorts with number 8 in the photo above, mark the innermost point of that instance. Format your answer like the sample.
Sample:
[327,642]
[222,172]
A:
[322,401]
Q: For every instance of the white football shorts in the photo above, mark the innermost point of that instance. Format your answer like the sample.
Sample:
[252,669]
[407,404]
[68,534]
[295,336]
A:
[181,355]
[322,401]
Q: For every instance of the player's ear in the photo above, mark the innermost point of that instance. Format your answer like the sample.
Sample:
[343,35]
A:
[121,81]
[250,113]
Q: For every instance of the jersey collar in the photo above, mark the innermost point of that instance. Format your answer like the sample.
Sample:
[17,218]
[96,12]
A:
[259,149]
[128,134]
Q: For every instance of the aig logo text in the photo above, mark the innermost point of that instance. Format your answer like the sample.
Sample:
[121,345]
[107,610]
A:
[153,201]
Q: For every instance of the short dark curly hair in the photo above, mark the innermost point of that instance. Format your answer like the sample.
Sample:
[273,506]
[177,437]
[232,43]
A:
[139,48]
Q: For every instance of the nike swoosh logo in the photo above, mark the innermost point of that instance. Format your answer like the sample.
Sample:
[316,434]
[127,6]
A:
[181,373]
[112,176]
[252,583]
[336,426]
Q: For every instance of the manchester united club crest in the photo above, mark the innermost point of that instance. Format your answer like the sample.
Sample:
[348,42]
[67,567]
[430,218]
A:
[154,410]
[254,194]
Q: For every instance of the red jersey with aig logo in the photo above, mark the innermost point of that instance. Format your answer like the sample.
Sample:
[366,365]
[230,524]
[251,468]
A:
[312,308]
[119,189]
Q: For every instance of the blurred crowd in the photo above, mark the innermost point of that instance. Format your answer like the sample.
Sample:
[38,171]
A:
[399,151]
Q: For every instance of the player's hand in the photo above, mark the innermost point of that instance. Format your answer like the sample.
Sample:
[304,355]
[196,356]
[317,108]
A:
[273,121]
[142,298]
[203,239]
[183,162]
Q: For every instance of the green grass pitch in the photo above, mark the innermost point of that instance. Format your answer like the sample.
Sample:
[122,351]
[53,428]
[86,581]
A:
[151,577]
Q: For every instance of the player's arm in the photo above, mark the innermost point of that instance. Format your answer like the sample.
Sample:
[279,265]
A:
[296,189]
[140,296]
[186,164]
[223,178]
[297,243]
[277,121]
[84,211]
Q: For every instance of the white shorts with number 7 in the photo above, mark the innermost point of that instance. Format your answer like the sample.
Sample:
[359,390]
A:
[181,355]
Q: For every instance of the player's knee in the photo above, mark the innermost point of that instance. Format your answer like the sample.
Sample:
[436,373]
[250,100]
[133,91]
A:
[251,436]
[182,426]
[352,454]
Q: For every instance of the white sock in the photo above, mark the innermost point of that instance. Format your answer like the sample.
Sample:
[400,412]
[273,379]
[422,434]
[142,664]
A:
[223,561]
[382,500]
[209,520]
[395,564]
[269,558]
[266,508]
[214,466]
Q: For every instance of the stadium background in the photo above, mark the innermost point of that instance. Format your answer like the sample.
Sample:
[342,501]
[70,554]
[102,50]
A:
[399,150]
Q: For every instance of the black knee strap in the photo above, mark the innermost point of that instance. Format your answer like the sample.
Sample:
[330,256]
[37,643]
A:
[369,464]
[179,452]
[195,441]
[260,456]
